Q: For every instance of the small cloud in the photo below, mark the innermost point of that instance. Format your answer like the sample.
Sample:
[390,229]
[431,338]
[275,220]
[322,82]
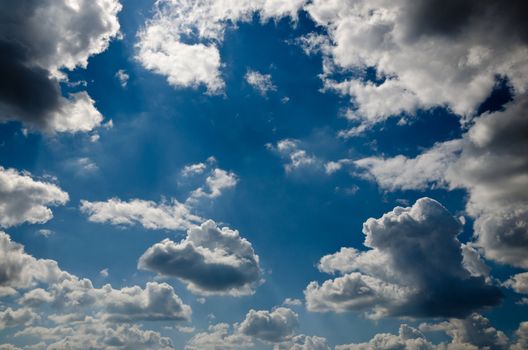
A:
[260,82]
[292,302]
[45,232]
[201,300]
[182,329]
[94,138]
[104,273]
[123,77]
[285,99]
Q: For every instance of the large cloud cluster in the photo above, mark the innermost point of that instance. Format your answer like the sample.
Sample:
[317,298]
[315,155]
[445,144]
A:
[37,40]
[415,267]
[104,317]
[426,54]
[210,260]
[182,39]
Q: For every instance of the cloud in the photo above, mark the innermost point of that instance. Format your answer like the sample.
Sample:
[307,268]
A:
[292,302]
[123,77]
[210,261]
[414,267]
[426,54]
[274,327]
[171,215]
[23,199]
[519,283]
[295,157]
[260,82]
[39,40]
[101,317]
[181,41]
[490,162]
[218,337]
[218,181]
[305,342]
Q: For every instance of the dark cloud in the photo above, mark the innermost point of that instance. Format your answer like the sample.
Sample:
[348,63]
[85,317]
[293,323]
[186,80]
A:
[210,260]
[414,268]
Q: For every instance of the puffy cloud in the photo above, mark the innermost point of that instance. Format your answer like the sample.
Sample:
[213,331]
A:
[123,77]
[522,337]
[304,342]
[401,173]
[426,54]
[171,215]
[164,46]
[39,38]
[260,82]
[407,338]
[210,260]
[93,334]
[296,157]
[518,282]
[275,326]
[473,331]
[219,337]
[18,317]
[292,302]
[490,162]
[215,184]
[23,199]
[414,268]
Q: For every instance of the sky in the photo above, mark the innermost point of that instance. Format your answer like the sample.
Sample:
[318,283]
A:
[263,174]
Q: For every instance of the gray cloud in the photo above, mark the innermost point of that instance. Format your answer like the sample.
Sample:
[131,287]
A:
[414,268]
[210,261]
[275,326]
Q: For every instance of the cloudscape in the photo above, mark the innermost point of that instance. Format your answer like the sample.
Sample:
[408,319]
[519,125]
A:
[263,174]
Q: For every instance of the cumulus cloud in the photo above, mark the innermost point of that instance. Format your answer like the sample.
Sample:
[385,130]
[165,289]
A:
[490,162]
[219,337]
[123,77]
[164,46]
[218,181]
[260,82]
[38,40]
[426,54]
[294,156]
[275,326]
[23,199]
[171,215]
[305,342]
[519,283]
[79,308]
[414,267]
[210,260]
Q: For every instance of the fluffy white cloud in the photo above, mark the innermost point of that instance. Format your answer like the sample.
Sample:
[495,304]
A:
[40,38]
[210,260]
[18,317]
[275,326]
[123,77]
[518,282]
[23,199]
[260,82]
[171,215]
[304,342]
[164,47]
[414,268]
[295,157]
[219,337]
[426,54]
[218,181]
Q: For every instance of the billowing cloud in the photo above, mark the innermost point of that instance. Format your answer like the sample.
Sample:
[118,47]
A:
[23,199]
[171,215]
[305,342]
[210,260]
[414,268]
[37,40]
[218,181]
[164,46]
[18,317]
[426,54]
[275,326]
[490,162]
[260,82]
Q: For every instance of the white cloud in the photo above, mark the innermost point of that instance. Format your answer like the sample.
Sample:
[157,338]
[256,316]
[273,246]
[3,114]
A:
[296,158]
[518,282]
[171,215]
[210,261]
[304,342]
[424,57]
[123,77]
[18,317]
[23,199]
[292,302]
[414,268]
[218,181]
[274,327]
[407,338]
[163,48]
[260,82]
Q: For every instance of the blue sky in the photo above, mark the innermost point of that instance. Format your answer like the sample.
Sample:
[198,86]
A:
[289,122]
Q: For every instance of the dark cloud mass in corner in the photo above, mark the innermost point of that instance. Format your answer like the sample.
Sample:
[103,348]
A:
[26,92]
[450,17]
